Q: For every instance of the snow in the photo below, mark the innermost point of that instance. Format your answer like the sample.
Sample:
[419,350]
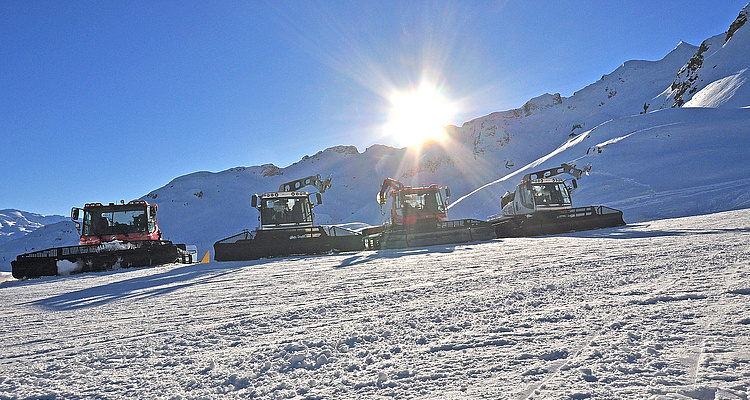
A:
[65,267]
[53,234]
[719,92]
[655,310]
[718,72]
[114,245]
[16,223]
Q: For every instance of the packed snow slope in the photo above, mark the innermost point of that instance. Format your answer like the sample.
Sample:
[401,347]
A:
[664,138]
[655,310]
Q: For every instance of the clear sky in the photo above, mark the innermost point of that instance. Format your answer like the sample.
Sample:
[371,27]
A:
[102,101]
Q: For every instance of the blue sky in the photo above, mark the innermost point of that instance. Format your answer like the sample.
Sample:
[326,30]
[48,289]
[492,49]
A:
[102,101]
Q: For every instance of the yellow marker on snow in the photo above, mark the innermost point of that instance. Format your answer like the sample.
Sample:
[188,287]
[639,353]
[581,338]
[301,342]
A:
[205,259]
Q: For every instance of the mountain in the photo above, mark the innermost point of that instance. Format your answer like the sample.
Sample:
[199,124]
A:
[56,234]
[706,148]
[22,231]
[664,138]
[479,151]
[16,223]
[716,75]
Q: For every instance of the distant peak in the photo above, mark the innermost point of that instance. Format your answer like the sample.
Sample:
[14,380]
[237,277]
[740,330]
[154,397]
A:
[270,170]
[342,150]
[541,102]
[682,51]
[682,45]
[379,148]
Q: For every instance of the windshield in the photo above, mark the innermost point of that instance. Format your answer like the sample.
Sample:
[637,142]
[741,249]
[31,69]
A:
[294,210]
[551,194]
[424,203]
[107,221]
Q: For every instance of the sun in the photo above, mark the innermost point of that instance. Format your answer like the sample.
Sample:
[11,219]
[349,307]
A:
[419,115]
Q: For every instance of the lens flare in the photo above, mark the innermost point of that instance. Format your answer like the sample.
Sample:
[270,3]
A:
[419,115]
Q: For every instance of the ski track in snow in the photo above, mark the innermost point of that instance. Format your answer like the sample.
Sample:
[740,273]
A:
[657,310]
[619,138]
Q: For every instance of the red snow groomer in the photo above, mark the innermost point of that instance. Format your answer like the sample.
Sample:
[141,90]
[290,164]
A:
[112,236]
[419,217]
[131,222]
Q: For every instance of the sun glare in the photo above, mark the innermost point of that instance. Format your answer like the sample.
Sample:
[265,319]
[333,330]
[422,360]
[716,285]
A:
[419,115]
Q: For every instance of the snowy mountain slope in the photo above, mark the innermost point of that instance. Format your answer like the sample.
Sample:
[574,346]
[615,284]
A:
[655,310]
[549,119]
[696,163]
[16,223]
[52,235]
[668,163]
[204,207]
[717,73]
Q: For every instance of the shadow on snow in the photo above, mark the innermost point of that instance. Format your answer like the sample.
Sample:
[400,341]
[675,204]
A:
[359,258]
[140,287]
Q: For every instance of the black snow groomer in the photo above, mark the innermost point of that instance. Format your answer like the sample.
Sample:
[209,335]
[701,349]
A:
[113,236]
[542,205]
[287,227]
[419,217]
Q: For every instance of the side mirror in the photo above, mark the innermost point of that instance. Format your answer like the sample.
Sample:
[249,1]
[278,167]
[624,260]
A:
[74,214]
[152,209]
[254,201]
[319,198]
[575,184]
[447,192]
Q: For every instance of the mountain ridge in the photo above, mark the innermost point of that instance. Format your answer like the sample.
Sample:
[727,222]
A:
[16,223]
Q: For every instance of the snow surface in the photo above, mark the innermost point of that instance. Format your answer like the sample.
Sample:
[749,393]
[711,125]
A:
[655,310]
